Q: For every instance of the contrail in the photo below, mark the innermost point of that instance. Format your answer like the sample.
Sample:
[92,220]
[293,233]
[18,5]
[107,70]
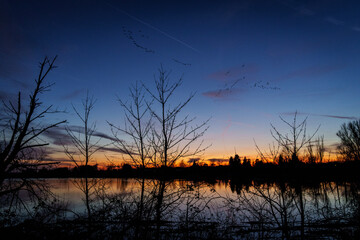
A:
[155,28]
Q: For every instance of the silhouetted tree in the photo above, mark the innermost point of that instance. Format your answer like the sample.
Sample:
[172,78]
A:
[231,161]
[173,136]
[22,128]
[281,159]
[349,135]
[82,136]
[271,155]
[246,162]
[235,161]
[137,126]
[293,142]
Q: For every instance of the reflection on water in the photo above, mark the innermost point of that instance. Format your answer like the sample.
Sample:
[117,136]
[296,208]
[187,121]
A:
[148,208]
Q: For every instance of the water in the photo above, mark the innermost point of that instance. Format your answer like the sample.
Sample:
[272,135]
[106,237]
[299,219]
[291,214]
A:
[220,209]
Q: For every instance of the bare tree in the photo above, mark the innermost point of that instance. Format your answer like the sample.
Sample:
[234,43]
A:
[22,129]
[271,154]
[82,136]
[293,142]
[349,135]
[137,126]
[173,135]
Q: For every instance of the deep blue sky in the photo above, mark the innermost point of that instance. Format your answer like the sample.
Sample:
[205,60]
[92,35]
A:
[251,61]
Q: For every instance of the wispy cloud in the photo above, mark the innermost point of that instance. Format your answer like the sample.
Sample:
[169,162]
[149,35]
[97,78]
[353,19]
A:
[58,136]
[234,72]
[226,74]
[113,149]
[340,117]
[192,160]
[322,115]
[211,160]
[223,94]
[81,129]
[217,160]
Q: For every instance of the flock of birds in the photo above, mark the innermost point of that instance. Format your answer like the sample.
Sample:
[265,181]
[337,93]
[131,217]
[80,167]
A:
[130,35]
[228,87]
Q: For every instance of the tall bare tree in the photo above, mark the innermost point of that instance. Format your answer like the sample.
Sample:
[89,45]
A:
[137,126]
[82,136]
[295,140]
[172,135]
[21,130]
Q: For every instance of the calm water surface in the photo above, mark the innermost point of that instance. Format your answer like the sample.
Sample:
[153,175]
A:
[325,210]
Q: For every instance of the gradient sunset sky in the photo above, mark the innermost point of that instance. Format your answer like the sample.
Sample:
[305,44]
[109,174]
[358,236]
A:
[248,62]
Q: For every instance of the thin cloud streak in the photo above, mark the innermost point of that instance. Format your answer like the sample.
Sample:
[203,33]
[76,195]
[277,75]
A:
[59,136]
[113,149]
[218,160]
[192,160]
[322,115]
[222,94]
[233,72]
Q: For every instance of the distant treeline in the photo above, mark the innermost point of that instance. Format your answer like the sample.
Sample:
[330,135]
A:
[330,171]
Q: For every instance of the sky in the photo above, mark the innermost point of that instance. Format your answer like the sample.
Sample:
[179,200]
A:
[248,62]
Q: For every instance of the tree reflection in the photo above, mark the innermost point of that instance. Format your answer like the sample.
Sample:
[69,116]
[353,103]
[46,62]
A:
[179,209]
[292,210]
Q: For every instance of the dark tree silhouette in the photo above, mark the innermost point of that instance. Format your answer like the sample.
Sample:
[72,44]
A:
[22,129]
[82,136]
[137,126]
[235,162]
[293,142]
[349,135]
[172,136]
[270,155]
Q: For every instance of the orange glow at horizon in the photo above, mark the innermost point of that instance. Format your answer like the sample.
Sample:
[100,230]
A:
[104,161]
